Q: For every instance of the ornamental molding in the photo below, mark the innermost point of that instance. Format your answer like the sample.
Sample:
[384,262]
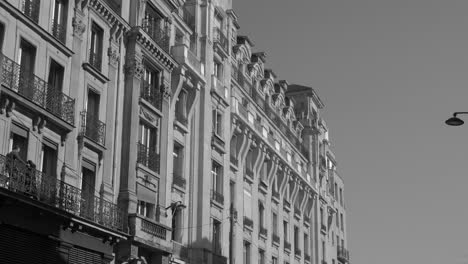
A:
[118,25]
[114,55]
[78,27]
[134,66]
[156,52]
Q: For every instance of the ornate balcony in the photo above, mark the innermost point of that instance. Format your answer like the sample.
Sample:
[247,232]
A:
[342,254]
[30,8]
[148,157]
[151,94]
[221,40]
[93,128]
[153,228]
[248,222]
[36,90]
[178,180]
[217,197]
[17,177]
[59,31]
[161,36]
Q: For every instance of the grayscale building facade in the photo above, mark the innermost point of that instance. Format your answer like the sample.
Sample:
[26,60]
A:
[151,131]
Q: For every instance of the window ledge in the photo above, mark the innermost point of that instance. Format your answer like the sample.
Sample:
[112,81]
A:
[93,71]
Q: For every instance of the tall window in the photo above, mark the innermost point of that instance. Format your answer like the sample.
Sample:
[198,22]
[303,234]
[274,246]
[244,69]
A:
[323,251]
[261,215]
[274,260]
[177,225]
[216,236]
[217,179]
[92,106]
[285,231]
[218,70]
[306,244]
[275,223]
[337,221]
[48,163]
[246,252]
[247,202]
[59,19]
[95,51]
[2,35]
[150,87]
[261,256]
[218,122]
[148,147]
[55,81]
[19,139]
[341,196]
[145,209]
[180,107]
[342,222]
[321,216]
[26,59]
[178,160]
[88,186]
[296,237]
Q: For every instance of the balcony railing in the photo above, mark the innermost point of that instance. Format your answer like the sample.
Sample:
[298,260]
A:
[179,181]
[152,94]
[148,157]
[342,254]
[287,245]
[276,238]
[248,222]
[263,231]
[221,39]
[30,8]
[37,90]
[59,30]
[93,128]
[95,59]
[153,228]
[217,197]
[17,177]
[159,34]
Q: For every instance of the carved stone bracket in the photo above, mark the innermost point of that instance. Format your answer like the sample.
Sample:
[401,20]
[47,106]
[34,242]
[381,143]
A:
[114,54]
[78,27]
[134,66]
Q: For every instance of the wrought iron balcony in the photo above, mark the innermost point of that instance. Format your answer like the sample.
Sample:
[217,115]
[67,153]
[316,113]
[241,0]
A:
[17,177]
[220,39]
[217,197]
[152,94]
[342,254]
[160,35]
[148,157]
[37,90]
[276,238]
[59,30]
[287,245]
[93,128]
[263,231]
[248,222]
[95,60]
[179,181]
[30,8]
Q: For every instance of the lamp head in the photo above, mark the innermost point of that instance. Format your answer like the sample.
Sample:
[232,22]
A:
[454,121]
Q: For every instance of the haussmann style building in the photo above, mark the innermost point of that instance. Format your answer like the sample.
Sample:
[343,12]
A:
[151,131]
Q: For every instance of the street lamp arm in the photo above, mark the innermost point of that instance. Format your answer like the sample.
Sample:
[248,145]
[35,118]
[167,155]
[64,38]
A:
[460,113]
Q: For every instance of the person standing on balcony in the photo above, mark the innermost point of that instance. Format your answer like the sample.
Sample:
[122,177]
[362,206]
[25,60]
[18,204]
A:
[13,163]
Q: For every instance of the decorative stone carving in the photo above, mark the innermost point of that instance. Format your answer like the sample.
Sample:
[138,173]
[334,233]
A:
[134,67]
[78,27]
[146,114]
[114,55]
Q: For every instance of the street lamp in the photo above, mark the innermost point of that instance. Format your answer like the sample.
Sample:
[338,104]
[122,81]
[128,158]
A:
[176,205]
[454,120]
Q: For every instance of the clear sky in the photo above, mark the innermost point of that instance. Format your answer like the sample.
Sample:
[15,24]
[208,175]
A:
[389,72]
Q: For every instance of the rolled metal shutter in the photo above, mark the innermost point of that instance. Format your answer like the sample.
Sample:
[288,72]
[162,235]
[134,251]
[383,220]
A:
[22,247]
[83,256]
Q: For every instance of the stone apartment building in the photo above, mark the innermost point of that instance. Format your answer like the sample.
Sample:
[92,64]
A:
[149,131]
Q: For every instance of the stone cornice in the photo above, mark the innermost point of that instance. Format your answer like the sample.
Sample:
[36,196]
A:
[118,25]
[156,52]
